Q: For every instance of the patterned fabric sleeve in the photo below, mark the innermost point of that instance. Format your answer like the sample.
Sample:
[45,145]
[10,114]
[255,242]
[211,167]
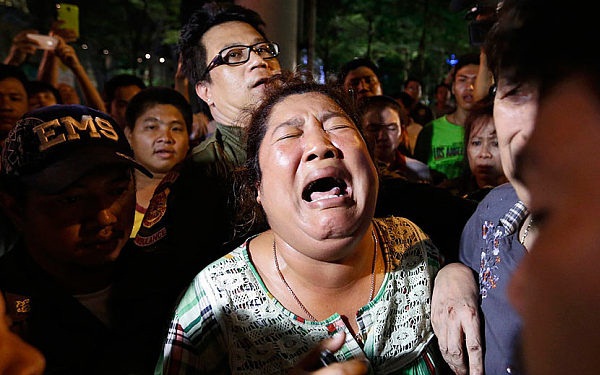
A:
[193,338]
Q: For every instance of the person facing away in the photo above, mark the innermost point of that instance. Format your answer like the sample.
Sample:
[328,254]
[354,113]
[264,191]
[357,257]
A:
[500,234]
[319,264]
[384,121]
[228,59]
[483,166]
[442,101]
[419,110]
[360,77]
[67,183]
[440,143]
[117,93]
[158,124]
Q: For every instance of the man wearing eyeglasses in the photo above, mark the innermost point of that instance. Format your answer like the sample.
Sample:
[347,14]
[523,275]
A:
[227,58]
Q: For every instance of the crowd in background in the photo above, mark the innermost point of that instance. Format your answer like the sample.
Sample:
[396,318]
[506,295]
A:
[142,233]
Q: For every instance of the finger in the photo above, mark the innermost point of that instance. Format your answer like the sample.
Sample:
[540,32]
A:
[473,346]
[454,354]
[311,361]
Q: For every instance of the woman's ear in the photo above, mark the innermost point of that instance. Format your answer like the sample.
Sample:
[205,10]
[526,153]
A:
[258,194]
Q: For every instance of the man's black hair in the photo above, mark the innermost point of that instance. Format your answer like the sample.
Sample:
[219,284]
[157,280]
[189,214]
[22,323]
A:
[111,86]
[354,64]
[190,46]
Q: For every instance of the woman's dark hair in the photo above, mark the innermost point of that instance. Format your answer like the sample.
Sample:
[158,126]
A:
[151,96]
[250,217]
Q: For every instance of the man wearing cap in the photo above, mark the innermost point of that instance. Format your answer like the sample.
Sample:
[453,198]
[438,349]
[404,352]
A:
[67,183]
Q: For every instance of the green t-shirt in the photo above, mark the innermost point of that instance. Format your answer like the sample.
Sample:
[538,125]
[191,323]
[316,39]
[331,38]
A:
[446,154]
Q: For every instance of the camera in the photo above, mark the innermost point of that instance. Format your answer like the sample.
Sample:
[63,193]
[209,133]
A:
[481,16]
[478,30]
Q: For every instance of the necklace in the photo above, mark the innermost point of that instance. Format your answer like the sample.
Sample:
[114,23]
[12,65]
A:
[304,309]
[529,226]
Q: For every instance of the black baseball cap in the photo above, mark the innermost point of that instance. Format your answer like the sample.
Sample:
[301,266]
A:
[52,147]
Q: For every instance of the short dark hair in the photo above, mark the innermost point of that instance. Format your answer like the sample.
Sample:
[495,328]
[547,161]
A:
[441,85]
[11,71]
[121,80]
[380,102]
[191,49]
[412,79]
[354,64]
[152,96]
[35,87]
[522,46]
[464,60]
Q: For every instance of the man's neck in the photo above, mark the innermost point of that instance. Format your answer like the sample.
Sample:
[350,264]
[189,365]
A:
[458,117]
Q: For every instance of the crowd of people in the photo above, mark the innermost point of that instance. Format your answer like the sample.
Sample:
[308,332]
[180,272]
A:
[302,227]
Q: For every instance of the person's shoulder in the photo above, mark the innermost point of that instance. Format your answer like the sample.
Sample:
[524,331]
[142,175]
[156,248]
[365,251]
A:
[499,200]
[396,225]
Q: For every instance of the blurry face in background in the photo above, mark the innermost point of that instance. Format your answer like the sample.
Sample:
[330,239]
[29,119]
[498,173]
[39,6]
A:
[556,289]
[382,129]
[363,81]
[118,106]
[484,155]
[442,94]
[41,99]
[413,88]
[13,104]
[68,94]
[464,85]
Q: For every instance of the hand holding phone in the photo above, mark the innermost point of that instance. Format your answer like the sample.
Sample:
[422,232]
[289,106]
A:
[68,16]
[45,42]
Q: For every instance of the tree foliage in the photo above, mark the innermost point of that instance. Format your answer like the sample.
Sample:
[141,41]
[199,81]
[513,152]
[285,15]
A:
[405,38]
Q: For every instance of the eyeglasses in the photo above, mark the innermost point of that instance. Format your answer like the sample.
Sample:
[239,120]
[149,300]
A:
[238,55]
